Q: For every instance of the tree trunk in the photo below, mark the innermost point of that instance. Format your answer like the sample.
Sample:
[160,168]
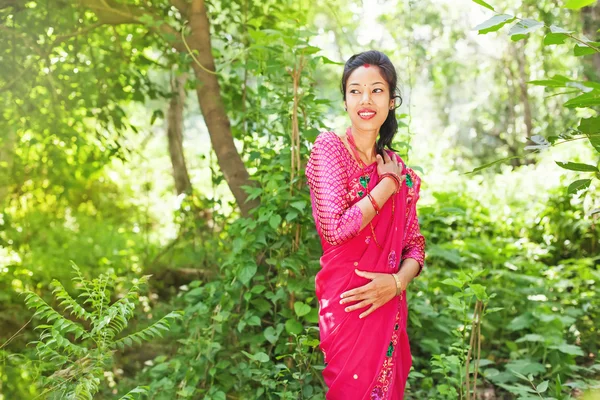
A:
[207,89]
[175,135]
[591,64]
[523,79]
[213,109]
[6,165]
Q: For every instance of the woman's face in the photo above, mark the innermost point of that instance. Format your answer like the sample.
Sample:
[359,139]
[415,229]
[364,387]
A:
[368,98]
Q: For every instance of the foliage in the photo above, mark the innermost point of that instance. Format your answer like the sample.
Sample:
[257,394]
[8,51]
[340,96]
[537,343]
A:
[79,356]
[507,304]
[587,92]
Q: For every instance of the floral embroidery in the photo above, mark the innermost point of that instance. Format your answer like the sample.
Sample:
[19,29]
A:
[368,239]
[364,180]
[409,181]
[357,186]
[384,380]
[392,259]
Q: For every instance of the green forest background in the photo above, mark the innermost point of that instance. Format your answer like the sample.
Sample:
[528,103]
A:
[169,138]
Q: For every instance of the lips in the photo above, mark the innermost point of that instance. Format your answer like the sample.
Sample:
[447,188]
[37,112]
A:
[366,114]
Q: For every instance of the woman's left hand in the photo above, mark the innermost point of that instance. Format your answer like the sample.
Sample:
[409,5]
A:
[376,293]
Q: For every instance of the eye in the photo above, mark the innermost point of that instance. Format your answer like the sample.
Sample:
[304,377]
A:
[353,91]
[376,90]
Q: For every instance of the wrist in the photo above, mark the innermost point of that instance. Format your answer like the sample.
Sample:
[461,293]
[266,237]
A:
[389,184]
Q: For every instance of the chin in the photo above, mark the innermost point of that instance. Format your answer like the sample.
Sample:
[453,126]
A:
[368,125]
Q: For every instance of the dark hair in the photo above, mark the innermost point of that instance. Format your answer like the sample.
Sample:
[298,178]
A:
[378,59]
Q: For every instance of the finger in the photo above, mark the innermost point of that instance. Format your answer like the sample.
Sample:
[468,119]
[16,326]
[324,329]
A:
[365,274]
[362,304]
[386,157]
[379,159]
[351,299]
[355,291]
[369,311]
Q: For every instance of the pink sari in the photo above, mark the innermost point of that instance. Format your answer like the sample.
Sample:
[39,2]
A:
[365,358]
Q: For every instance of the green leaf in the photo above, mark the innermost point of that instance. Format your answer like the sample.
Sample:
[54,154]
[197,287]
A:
[570,349]
[554,38]
[261,357]
[521,322]
[578,185]
[484,4]
[453,282]
[584,100]
[519,375]
[301,308]
[525,26]
[582,50]
[542,387]
[494,23]
[274,221]
[589,126]
[558,29]
[482,167]
[293,327]
[577,166]
[329,61]
[299,205]
[247,272]
[554,81]
[516,38]
[479,291]
[271,334]
[577,4]
[531,337]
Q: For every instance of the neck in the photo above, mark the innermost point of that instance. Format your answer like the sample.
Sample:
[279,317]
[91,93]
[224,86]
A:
[365,141]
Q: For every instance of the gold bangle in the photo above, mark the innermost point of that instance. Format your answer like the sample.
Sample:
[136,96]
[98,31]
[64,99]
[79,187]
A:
[398,284]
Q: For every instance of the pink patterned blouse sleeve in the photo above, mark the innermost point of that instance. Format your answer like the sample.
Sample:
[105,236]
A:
[327,177]
[414,245]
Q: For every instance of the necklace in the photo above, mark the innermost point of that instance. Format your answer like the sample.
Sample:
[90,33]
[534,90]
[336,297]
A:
[364,181]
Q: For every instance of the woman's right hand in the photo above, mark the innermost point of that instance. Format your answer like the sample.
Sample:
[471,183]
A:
[390,165]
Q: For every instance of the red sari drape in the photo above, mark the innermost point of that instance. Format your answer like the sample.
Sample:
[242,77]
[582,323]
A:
[365,358]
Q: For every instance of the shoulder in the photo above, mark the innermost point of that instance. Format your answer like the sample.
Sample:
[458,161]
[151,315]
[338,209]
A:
[328,138]
[327,142]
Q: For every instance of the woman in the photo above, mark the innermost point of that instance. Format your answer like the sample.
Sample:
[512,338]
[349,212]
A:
[364,205]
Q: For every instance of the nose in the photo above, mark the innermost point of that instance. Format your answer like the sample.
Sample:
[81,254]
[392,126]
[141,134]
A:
[366,97]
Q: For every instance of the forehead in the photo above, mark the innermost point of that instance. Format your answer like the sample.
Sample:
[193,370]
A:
[366,75]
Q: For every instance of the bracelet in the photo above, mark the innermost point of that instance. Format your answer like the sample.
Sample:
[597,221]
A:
[374,203]
[398,284]
[396,179]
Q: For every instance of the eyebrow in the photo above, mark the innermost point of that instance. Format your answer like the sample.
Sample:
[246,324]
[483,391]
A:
[373,84]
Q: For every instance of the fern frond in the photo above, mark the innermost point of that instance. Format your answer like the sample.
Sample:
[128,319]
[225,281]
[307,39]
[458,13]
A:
[86,388]
[45,311]
[81,280]
[47,353]
[154,330]
[61,294]
[122,310]
[138,390]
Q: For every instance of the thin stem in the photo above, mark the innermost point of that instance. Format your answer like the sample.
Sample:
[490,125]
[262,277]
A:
[16,333]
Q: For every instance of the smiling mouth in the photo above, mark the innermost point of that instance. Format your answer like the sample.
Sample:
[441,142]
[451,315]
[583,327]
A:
[366,114]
